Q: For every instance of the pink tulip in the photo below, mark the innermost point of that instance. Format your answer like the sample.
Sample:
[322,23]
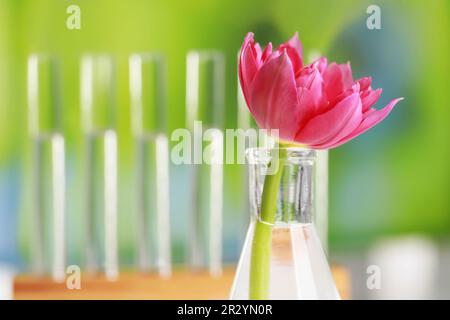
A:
[318,105]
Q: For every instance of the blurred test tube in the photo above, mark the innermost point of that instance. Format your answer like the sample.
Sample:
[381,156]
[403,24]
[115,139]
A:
[205,84]
[48,172]
[148,106]
[98,122]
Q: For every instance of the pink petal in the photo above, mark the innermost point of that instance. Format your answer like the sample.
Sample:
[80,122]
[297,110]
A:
[354,89]
[306,77]
[308,105]
[369,98]
[267,52]
[347,77]
[321,64]
[293,48]
[275,54]
[368,112]
[349,127]
[248,65]
[257,52]
[295,58]
[310,92]
[273,99]
[294,42]
[365,83]
[338,78]
[322,128]
[371,119]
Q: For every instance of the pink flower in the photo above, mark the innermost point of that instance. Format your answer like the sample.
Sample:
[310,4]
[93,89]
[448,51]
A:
[318,105]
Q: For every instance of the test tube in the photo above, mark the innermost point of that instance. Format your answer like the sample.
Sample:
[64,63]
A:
[48,169]
[205,84]
[98,123]
[148,106]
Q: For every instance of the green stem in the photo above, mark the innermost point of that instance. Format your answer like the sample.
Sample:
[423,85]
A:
[262,239]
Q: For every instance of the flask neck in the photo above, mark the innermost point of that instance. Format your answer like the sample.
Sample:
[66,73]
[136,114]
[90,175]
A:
[295,198]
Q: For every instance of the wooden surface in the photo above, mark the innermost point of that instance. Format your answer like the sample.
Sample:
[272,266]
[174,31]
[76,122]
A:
[181,285]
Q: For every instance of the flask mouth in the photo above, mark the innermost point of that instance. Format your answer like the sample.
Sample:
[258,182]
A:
[295,195]
[290,154]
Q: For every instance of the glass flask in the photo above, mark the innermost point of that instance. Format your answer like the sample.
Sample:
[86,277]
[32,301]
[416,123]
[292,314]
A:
[282,257]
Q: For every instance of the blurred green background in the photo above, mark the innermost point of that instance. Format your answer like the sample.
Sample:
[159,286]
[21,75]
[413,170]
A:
[394,179]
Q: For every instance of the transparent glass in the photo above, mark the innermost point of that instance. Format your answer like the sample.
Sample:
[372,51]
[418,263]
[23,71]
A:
[48,167]
[101,203]
[205,106]
[205,88]
[298,268]
[148,106]
[148,92]
[98,91]
[44,94]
